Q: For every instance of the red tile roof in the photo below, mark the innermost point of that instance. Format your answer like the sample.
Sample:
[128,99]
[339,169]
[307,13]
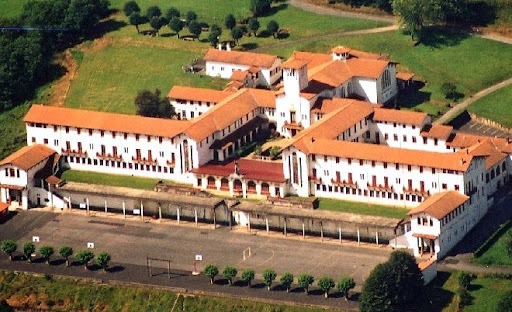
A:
[105,121]
[437,131]
[3,206]
[239,75]
[250,169]
[356,150]
[197,94]
[28,156]
[440,204]
[241,58]
[399,116]
[488,150]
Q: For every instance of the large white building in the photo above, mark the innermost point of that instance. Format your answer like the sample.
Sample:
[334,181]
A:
[339,144]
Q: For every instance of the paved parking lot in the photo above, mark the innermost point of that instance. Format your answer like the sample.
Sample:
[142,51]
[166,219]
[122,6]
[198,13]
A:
[130,242]
[475,127]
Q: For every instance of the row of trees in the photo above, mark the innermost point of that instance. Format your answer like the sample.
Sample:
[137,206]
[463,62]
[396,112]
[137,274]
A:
[28,45]
[344,285]
[384,5]
[83,257]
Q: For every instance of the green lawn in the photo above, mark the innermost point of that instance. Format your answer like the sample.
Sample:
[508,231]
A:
[496,106]
[495,252]
[111,179]
[362,208]
[471,63]
[62,294]
[441,294]
[11,8]
[109,79]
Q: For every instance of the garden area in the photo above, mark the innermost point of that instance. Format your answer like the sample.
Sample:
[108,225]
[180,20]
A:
[497,249]
[362,208]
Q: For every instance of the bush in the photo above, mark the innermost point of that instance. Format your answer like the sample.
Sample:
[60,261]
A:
[230,21]
[229,272]
[259,7]
[103,259]
[66,252]
[273,28]
[46,252]
[84,256]
[131,7]
[464,280]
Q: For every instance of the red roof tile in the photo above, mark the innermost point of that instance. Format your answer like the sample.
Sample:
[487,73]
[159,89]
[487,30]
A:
[250,169]
[28,156]
[197,94]
[241,58]
[440,204]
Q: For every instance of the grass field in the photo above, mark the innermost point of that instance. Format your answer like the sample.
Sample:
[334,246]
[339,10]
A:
[445,57]
[496,106]
[108,79]
[29,293]
[496,253]
[362,208]
[111,179]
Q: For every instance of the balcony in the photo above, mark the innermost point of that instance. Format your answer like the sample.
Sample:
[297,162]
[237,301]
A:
[171,163]
[145,161]
[421,192]
[315,179]
[106,156]
[344,183]
[379,187]
[293,126]
[73,153]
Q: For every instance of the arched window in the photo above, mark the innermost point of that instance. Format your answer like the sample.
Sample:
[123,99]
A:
[224,184]
[265,188]
[251,187]
[211,183]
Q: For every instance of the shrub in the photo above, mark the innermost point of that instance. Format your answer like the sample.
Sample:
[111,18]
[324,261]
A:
[9,247]
[28,249]
[345,285]
[46,252]
[305,280]
[464,279]
[84,256]
[66,252]
[131,7]
[325,284]
[103,260]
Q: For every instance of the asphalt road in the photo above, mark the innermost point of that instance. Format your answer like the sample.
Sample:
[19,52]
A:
[130,242]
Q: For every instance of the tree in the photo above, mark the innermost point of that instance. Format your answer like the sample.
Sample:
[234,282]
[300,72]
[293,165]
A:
[392,285]
[273,28]
[131,7]
[84,256]
[230,21]
[9,247]
[153,11]
[211,271]
[305,280]
[83,15]
[259,7]
[274,151]
[194,28]
[505,302]
[66,252]
[287,280]
[254,25]
[344,286]
[229,272]
[216,28]
[464,279]
[103,259]
[172,13]
[136,19]
[414,15]
[248,276]
[150,104]
[157,22]
[46,252]
[213,39]
[269,276]
[325,284]
[258,149]
[237,33]
[28,249]
[176,25]
[191,16]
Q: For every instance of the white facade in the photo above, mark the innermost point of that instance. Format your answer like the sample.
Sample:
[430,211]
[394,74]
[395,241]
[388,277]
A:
[271,75]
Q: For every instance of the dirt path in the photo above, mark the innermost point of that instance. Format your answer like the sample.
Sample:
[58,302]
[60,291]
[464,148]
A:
[464,104]
[333,12]
[60,89]
[328,36]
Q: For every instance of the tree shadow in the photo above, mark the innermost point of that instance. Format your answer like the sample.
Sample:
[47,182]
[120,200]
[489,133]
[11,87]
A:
[435,298]
[10,215]
[58,262]
[297,290]
[437,36]
[222,281]
[457,122]
[264,34]
[38,260]
[279,287]
[455,96]
[168,35]
[316,292]
[275,9]
[282,35]
[473,287]
[240,283]
[249,46]
[258,286]
[108,25]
